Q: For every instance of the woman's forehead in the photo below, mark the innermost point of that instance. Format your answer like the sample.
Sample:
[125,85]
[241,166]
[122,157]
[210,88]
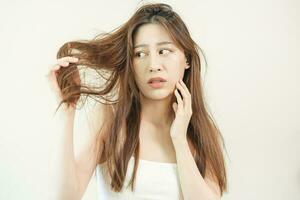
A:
[152,33]
[145,45]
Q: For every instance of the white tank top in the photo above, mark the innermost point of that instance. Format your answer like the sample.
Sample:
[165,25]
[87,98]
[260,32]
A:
[154,181]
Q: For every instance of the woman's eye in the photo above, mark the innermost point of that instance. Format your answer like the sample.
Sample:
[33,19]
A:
[138,54]
[167,50]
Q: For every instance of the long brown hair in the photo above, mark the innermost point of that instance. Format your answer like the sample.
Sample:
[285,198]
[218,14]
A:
[112,53]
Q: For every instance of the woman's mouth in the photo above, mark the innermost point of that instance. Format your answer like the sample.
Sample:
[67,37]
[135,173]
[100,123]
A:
[157,84]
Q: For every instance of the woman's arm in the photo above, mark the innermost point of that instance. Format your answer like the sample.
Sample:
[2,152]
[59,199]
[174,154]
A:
[74,173]
[192,183]
[64,173]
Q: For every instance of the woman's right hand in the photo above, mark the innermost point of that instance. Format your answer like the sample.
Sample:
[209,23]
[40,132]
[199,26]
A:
[52,75]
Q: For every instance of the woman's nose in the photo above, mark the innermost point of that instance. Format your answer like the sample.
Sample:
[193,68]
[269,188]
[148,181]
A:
[155,64]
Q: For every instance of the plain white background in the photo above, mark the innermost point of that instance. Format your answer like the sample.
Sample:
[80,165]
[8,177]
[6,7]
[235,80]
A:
[251,84]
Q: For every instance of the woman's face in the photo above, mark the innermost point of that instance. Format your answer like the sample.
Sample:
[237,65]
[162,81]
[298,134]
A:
[155,55]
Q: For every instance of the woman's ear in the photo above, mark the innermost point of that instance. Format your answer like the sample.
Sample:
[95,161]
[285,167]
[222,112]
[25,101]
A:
[187,64]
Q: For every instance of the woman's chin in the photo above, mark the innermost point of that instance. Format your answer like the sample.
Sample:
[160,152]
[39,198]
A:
[159,95]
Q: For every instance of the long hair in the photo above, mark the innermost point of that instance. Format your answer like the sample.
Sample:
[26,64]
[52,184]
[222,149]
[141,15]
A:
[112,53]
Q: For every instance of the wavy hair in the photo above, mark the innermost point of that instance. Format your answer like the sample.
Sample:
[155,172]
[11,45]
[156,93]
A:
[111,54]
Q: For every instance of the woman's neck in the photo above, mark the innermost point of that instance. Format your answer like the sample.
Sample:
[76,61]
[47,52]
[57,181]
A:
[157,112]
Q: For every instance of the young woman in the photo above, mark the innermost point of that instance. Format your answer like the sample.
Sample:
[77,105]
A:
[157,136]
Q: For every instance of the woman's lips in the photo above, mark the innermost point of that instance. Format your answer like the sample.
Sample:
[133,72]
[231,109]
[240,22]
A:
[157,84]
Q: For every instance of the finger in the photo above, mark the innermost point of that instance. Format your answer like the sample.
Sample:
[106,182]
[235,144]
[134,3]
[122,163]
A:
[174,105]
[188,100]
[68,59]
[182,91]
[64,62]
[185,87]
[179,100]
[58,66]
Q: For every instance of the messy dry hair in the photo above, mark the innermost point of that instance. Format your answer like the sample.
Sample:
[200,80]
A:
[110,55]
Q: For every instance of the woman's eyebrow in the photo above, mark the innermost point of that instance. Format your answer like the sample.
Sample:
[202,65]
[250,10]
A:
[158,44]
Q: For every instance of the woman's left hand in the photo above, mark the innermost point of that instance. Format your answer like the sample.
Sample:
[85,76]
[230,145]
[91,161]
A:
[183,112]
